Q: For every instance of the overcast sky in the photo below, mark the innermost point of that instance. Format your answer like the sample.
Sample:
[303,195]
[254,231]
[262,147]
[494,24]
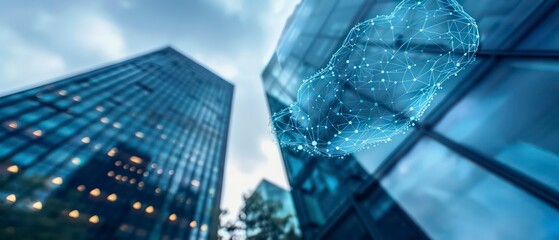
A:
[43,41]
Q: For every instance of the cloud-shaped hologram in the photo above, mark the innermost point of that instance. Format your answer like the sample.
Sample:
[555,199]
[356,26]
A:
[381,80]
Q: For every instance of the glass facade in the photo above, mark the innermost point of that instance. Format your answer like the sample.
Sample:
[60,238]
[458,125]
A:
[134,150]
[481,164]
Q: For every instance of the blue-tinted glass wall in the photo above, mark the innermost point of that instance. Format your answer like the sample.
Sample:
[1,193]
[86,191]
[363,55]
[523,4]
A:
[132,150]
[491,127]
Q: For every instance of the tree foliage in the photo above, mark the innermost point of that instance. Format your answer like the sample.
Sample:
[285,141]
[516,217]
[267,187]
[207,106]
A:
[263,220]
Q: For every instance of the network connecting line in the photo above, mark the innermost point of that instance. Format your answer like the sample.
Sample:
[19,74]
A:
[381,80]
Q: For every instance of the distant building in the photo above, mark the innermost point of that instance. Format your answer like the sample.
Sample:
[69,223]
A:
[269,198]
[134,150]
[482,163]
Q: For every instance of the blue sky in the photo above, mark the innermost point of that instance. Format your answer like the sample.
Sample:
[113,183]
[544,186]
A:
[43,41]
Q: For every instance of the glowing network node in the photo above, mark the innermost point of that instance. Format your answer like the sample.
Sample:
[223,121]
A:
[381,80]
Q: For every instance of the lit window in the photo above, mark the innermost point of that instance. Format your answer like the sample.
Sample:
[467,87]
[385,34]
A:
[118,177]
[95,192]
[57,180]
[112,197]
[13,124]
[195,183]
[124,227]
[132,169]
[172,217]
[86,140]
[153,165]
[171,172]
[193,224]
[149,209]
[116,125]
[81,188]
[132,181]
[158,190]
[76,161]
[112,152]
[124,178]
[11,198]
[118,163]
[37,205]
[100,108]
[139,171]
[62,92]
[137,205]
[74,214]
[204,227]
[94,219]
[126,166]
[160,171]
[111,173]
[38,133]
[13,169]
[141,184]
[77,98]
[139,134]
[136,160]
[104,120]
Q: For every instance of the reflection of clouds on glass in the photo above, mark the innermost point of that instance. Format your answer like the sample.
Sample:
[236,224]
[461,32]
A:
[475,204]
[381,80]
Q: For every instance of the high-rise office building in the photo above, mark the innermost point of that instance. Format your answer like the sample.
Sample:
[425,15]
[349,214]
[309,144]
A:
[273,203]
[482,162]
[134,150]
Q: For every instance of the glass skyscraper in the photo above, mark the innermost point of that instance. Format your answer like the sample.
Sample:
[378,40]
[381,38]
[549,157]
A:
[134,150]
[481,164]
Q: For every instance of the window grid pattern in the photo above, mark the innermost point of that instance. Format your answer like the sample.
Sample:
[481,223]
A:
[381,201]
[157,123]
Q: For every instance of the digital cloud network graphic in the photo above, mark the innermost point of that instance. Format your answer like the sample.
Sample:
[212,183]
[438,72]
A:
[381,80]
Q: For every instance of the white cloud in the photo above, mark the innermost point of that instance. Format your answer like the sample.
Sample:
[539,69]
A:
[270,149]
[22,64]
[218,64]
[239,182]
[99,35]
[88,31]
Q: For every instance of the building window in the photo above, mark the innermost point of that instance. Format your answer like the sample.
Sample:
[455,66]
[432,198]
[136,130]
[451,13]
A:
[37,205]
[13,169]
[95,192]
[12,125]
[149,209]
[11,198]
[38,133]
[112,197]
[94,219]
[57,181]
[139,134]
[74,214]
[457,196]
